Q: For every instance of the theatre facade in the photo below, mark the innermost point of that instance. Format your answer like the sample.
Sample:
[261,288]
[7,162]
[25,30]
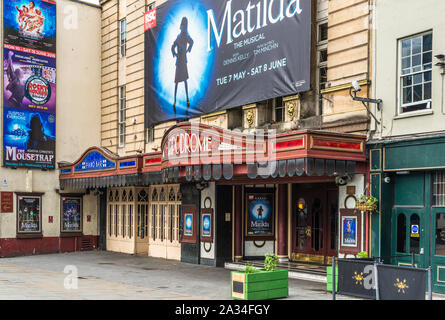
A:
[244,162]
[214,195]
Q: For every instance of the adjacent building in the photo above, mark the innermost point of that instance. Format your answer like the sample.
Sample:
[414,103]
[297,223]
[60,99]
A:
[406,146]
[50,109]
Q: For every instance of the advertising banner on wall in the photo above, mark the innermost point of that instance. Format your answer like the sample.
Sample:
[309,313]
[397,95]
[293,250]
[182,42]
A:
[208,55]
[30,24]
[260,214]
[29,84]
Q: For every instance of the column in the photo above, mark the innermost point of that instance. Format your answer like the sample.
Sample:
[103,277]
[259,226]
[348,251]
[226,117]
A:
[282,222]
[238,221]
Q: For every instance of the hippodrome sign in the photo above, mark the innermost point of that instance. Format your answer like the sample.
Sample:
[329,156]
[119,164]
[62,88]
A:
[194,143]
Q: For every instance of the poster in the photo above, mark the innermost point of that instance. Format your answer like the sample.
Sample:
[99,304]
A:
[349,231]
[29,84]
[71,214]
[188,222]
[207,225]
[202,56]
[28,219]
[30,24]
[260,214]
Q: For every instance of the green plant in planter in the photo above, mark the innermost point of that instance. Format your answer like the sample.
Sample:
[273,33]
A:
[270,261]
[362,254]
[250,269]
[259,284]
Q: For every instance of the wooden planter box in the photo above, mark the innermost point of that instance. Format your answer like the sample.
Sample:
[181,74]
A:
[261,285]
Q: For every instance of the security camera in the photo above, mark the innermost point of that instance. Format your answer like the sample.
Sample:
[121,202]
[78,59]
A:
[341,181]
[356,86]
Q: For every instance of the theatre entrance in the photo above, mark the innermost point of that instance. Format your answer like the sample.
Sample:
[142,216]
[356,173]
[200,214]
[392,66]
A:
[315,222]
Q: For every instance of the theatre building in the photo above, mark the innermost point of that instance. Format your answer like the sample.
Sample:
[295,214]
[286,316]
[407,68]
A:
[50,94]
[232,142]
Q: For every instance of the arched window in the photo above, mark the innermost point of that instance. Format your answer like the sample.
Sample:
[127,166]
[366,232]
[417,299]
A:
[401,233]
[414,239]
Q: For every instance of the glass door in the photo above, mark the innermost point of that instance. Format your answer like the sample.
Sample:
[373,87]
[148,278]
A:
[409,237]
[438,249]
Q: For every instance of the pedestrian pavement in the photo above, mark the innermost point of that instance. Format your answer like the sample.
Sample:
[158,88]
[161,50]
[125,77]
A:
[103,275]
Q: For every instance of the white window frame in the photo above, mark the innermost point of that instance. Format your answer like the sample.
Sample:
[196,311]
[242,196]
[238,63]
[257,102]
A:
[400,77]
[150,134]
[150,6]
[122,37]
[321,46]
[275,107]
[122,115]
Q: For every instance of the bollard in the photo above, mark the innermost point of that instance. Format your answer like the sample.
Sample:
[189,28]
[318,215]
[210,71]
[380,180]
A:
[333,278]
[412,260]
[430,289]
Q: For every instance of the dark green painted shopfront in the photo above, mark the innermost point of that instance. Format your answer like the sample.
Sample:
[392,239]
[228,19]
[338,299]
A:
[408,178]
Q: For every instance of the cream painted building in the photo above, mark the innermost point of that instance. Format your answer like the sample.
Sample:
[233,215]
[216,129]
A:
[77,114]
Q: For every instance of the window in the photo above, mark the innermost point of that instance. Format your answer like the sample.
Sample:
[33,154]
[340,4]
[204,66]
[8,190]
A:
[71,220]
[414,242]
[29,215]
[440,234]
[439,189]
[278,109]
[122,38]
[323,32]
[322,60]
[150,6]
[401,233]
[415,75]
[122,115]
[150,134]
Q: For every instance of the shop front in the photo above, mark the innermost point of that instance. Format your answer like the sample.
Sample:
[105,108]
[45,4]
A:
[213,196]
[408,178]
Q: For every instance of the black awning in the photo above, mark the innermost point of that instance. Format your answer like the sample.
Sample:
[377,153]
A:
[102,182]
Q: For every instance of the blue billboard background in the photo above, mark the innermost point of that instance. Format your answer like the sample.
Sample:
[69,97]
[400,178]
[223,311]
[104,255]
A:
[209,55]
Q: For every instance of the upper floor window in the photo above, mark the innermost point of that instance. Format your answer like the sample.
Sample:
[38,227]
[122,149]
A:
[122,115]
[150,134]
[150,6]
[123,37]
[322,32]
[415,76]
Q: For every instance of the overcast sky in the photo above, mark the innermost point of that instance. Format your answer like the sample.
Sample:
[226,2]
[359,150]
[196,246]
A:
[91,1]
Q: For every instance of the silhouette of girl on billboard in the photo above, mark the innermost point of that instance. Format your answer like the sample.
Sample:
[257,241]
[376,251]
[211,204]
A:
[182,45]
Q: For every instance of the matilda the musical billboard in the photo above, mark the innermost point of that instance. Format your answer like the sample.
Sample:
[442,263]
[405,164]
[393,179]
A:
[29,83]
[202,56]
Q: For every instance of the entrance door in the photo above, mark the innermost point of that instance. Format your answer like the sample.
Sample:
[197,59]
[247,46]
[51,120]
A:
[223,225]
[165,208]
[438,249]
[409,230]
[310,224]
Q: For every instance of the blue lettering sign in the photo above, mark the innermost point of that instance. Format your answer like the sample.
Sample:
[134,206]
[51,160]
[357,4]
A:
[94,161]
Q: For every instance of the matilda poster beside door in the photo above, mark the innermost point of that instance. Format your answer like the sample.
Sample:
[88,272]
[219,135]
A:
[29,84]
[260,214]
[203,56]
